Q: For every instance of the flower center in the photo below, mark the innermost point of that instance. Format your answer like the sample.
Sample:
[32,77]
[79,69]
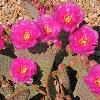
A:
[47,30]
[83,41]
[67,18]
[23,70]
[97,81]
[26,36]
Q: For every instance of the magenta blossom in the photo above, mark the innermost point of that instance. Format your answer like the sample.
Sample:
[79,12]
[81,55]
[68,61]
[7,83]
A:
[93,79]
[69,15]
[2,44]
[24,34]
[49,27]
[22,70]
[84,40]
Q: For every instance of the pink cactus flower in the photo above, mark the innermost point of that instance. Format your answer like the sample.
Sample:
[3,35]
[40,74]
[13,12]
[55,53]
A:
[49,27]
[24,34]
[22,70]
[93,79]
[84,40]
[2,44]
[69,15]
[1,31]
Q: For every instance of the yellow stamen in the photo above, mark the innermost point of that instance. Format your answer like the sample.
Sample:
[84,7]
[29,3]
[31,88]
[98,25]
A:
[26,36]
[48,30]
[67,18]
[97,81]
[83,41]
[23,70]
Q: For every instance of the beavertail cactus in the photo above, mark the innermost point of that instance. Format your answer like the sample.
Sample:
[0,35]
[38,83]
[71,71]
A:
[81,89]
[4,65]
[6,86]
[46,56]
[22,94]
[61,81]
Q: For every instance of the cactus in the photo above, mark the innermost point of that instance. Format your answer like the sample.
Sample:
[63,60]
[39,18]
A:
[20,94]
[81,65]
[5,65]
[6,86]
[44,59]
[82,90]
[56,87]
[30,9]
[52,84]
